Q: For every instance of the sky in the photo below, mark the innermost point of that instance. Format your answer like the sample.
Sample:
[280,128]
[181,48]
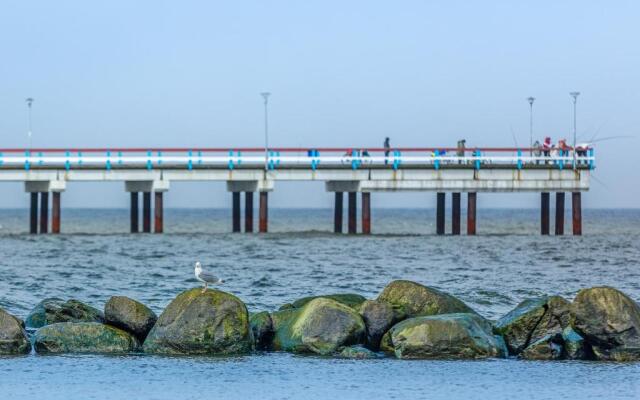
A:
[341,73]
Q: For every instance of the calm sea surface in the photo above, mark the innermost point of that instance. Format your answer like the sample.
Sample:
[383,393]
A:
[508,261]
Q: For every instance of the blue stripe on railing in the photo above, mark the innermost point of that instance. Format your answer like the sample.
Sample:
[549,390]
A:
[149,164]
[67,163]
[591,163]
[190,162]
[108,161]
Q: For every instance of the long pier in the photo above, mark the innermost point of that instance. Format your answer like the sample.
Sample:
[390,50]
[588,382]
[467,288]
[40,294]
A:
[353,171]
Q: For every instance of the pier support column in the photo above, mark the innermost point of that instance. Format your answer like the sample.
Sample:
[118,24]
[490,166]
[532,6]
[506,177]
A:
[146,212]
[560,213]
[248,212]
[440,213]
[44,212]
[337,213]
[158,223]
[264,212]
[33,214]
[55,212]
[471,213]
[455,213]
[544,213]
[366,213]
[353,212]
[135,218]
[235,212]
[576,212]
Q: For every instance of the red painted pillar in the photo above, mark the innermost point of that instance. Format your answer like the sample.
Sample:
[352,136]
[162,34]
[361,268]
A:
[264,212]
[248,212]
[158,213]
[146,212]
[44,212]
[455,213]
[366,213]
[353,211]
[576,209]
[337,213]
[55,212]
[471,213]
[560,213]
[544,213]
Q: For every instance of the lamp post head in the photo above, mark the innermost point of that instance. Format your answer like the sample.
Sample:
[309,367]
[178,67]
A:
[29,101]
[575,96]
[531,100]
[265,95]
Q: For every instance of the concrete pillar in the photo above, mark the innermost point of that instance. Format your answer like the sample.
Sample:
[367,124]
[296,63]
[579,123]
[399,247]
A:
[353,212]
[440,213]
[135,218]
[471,213]
[158,226]
[264,212]
[455,213]
[544,213]
[33,214]
[337,213]
[146,212]
[235,211]
[366,213]
[576,211]
[248,211]
[55,212]
[44,212]
[560,213]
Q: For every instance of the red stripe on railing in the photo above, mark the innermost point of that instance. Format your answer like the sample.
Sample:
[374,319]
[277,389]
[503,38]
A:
[261,149]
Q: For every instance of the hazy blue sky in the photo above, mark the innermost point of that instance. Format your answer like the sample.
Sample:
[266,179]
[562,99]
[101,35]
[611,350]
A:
[342,73]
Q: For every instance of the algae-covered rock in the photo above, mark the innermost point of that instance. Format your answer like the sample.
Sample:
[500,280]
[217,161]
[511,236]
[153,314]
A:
[445,336]
[576,348]
[378,317]
[84,337]
[348,299]
[532,320]
[549,347]
[212,322]
[321,326]
[410,299]
[54,310]
[13,338]
[357,353]
[130,315]
[610,322]
[262,329]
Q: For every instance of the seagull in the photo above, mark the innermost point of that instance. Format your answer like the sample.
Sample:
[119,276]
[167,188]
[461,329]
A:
[206,277]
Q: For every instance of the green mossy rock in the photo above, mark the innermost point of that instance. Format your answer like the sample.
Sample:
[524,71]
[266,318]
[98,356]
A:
[532,320]
[549,347]
[129,315]
[84,337]
[262,329]
[576,348]
[446,336]
[13,338]
[610,322]
[321,326]
[54,310]
[357,353]
[410,299]
[378,317]
[213,322]
[348,299]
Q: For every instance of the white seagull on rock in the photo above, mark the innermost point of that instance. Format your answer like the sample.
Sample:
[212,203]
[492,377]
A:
[206,277]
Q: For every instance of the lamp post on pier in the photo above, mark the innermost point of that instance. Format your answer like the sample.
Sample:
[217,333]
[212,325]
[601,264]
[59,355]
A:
[531,100]
[265,96]
[575,101]
[29,101]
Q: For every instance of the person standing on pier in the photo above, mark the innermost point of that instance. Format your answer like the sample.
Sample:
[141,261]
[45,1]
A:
[387,150]
[546,147]
[461,148]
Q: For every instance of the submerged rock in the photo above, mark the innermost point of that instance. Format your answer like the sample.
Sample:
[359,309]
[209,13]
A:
[357,353]
[262,329]
[212,322]
[84,337]
[550,347]
[130,315]
[348,299]
[321,326]
[446,336]
[378,317]
[54,310]
[13,338]
[610,322]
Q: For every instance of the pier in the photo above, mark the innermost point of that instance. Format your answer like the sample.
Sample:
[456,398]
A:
[358,173]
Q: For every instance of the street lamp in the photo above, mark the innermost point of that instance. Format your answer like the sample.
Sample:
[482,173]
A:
[265,96]
[575,100]
[531,100]
[29,101]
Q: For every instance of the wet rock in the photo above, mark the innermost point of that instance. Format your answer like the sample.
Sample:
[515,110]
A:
[348,299]
[13,338]
[286,306]
[549,347]
[610,322]
[378,318]
[262,329]
[54,310]
[576,348]
[357,353]
[321,326]
[129,315]
[84,337]
[532,320]
[213,322]
[410,299]
[445,336]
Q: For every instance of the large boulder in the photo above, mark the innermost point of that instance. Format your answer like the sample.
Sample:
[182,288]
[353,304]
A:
[357,353]
[262,329]
[130,315]
[550,347]
[532,320]
[212,322]
[321,326]
[446,336]
[410,299]
[610,322]
[84,337]
[13,338]
[348,299]
[54,310]
[378,317]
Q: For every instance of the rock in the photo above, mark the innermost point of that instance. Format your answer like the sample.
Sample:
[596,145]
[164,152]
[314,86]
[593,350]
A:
[84,337]
[550,347]
[575,346]
[286,306]
[348,299]
[53,310]
[213,322]
[532,320]
[13,338]
[610,322]
[262,329]
[129,315]
[445,336]
[357,353]
[410,299]
[378,317]
[321,326]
